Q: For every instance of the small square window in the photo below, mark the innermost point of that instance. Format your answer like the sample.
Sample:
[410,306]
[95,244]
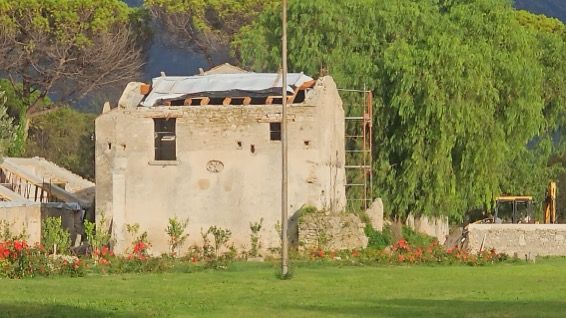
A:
[275,131]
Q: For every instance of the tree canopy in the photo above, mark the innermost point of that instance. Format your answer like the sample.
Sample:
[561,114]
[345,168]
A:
[6,126]
[469,94]
[65,49]
[204,24]
[66,137]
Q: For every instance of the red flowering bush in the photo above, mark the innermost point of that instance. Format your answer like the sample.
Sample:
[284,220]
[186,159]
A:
[402,252]
[102,255]
[140,251]
[19,260]
[401,246]
[68,265]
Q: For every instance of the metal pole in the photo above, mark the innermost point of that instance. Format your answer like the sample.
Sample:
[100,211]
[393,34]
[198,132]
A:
[284,148]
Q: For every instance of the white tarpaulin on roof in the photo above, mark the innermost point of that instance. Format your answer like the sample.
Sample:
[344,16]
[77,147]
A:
[173,87]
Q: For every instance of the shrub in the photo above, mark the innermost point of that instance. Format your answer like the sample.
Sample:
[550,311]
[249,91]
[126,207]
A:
[176,231]
[140,243]
[414,238]
[19,260]
[97,235]
[67,265]
[132,264]
[378,239]
[219,254]
[102,256]
[402,252]
[255,238]
[54,237]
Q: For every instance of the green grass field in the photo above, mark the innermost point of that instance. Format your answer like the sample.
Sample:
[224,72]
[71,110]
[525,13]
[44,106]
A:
[252,290]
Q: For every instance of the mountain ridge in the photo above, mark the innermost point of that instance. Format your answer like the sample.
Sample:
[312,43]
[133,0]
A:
[550,8]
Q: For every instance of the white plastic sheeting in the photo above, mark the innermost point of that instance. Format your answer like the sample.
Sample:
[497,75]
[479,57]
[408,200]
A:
[243,84]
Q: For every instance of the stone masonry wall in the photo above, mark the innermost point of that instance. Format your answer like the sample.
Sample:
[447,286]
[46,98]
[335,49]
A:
[523,239]
[331,232]
[227,169]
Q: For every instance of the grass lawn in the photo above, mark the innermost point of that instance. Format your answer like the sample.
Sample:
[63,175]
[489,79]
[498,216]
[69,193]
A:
[252,290]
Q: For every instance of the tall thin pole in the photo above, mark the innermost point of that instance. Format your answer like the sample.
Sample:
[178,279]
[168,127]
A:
[284,148]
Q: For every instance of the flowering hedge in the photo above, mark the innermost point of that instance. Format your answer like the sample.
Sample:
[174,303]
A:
[19,260]
[403,253]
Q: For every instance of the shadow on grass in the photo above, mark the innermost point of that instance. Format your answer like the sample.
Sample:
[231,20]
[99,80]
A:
[34,310]
[443,308]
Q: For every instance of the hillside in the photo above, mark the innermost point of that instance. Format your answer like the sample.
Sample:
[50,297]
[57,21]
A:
[551,8]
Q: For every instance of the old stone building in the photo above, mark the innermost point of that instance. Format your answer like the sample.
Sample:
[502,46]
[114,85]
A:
[207,148]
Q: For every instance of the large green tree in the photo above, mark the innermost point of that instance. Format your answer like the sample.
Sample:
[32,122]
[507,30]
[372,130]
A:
[466,98]
[65,49]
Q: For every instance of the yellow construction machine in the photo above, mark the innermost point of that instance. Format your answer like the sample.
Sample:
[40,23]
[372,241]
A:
[513,209]
[519,209]
[549,216]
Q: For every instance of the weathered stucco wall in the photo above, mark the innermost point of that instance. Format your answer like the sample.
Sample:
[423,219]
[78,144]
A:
[23,218]
[375,214]
[523,239]
[438,227]
[133,188]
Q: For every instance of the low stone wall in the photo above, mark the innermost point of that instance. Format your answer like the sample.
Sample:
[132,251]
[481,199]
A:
[27,218]
[331,231]
[524,239]
[23,218]
[433,226]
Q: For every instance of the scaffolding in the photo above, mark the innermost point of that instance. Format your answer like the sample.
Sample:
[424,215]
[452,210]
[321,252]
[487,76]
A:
[358,147]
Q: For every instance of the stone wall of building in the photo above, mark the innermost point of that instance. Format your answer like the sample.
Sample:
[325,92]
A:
[333,231]
[522,239]
[227,171]
[23,218]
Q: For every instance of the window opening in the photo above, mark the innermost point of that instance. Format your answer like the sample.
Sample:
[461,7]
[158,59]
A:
[178,102]
[165,139]
[275,131]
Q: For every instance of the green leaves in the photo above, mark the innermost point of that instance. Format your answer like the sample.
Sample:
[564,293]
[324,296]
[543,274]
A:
[7,128]
[461,87]
[54,237]
[75,21]
[64,136]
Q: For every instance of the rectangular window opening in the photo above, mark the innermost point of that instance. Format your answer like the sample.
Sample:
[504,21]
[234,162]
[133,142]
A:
[165,139]
[275,131]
